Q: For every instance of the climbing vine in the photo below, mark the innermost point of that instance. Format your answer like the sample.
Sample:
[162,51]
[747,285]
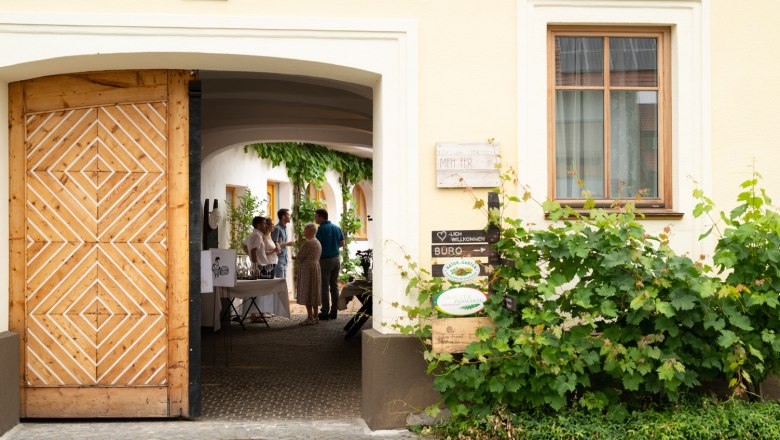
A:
[240,217]
[307,163]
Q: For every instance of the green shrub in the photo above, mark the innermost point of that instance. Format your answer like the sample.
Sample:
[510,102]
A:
[748,256]
[609,319]
[608,316]
[703,419]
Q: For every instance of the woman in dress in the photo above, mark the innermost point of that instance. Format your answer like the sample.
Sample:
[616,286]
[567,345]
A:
[262,258]
[308,259]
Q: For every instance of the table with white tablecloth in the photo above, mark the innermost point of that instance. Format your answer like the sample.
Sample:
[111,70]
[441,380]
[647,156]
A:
[271,298]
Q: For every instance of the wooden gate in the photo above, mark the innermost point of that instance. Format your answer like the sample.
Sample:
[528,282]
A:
[99,230]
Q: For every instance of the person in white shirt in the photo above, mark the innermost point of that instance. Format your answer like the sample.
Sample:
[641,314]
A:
[270,248]
[254,246]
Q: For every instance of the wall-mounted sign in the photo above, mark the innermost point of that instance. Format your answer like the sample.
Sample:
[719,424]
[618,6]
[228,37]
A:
[220,266]
[466,236]
[462,250]
[467,164]
[437,270]
[460,301]
[461,270]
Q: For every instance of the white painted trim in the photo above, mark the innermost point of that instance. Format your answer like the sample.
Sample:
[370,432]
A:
[381,54]
[5,247]
[691,127]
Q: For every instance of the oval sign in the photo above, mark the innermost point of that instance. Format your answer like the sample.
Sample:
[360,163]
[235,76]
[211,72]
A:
[460,270]
[460,301]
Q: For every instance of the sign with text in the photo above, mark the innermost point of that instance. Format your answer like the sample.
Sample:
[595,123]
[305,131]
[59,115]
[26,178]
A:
[465,236]
[437,270]
[467,164]
[462,250]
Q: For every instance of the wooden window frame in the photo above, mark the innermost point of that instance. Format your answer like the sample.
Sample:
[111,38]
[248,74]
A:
[663,203]
[271,189]
[361,211]
[316,194]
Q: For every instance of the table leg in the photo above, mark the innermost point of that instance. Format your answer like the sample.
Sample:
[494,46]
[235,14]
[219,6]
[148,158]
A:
[253,302]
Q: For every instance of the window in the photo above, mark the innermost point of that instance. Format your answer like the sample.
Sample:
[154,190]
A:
[317,194]
[359,199]
[271,199]
[230,202]
[609,115]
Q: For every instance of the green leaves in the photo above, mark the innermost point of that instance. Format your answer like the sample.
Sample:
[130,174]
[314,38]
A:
[609,309]
[607,312]
[727,338]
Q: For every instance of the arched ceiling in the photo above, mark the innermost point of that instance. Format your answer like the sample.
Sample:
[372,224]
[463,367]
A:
[247,107]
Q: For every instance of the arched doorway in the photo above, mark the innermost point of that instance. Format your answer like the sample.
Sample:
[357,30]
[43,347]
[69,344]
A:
[275,368]
[385,63]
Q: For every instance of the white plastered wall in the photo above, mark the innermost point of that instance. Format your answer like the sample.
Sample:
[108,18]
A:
[378,53]
[233,167]
[688,20]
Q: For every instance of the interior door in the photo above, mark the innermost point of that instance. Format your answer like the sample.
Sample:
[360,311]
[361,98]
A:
[99,251]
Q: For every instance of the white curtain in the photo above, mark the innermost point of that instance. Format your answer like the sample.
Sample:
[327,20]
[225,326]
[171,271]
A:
[579,143]
[633,155]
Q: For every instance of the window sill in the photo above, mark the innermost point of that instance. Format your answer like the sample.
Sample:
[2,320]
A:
[649,214]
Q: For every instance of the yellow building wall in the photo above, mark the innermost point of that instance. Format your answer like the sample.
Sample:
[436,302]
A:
[745,96]
[467,75]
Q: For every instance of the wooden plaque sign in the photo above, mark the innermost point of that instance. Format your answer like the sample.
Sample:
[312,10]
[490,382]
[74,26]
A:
[453,335]
[462,250]
[460,237]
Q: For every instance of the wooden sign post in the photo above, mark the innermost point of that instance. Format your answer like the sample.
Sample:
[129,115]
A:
[453,335]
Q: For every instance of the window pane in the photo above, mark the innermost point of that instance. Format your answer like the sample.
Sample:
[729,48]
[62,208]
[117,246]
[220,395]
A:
[633,62]
[579,61]
[633,154]
[579,143]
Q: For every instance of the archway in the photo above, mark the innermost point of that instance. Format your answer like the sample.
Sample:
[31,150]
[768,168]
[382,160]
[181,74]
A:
[385,62]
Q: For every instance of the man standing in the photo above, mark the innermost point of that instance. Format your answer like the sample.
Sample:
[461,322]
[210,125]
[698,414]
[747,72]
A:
[279,236]
[331,239]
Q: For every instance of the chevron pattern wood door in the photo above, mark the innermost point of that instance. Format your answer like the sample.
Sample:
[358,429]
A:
[96,293]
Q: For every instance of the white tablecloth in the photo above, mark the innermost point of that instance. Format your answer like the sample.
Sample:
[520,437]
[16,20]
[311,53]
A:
[271,298]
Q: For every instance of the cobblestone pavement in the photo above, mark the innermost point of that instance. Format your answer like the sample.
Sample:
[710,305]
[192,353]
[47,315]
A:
[283,382]
[286,371]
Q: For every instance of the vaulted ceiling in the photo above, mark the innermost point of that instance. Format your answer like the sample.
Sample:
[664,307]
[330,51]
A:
[246,107]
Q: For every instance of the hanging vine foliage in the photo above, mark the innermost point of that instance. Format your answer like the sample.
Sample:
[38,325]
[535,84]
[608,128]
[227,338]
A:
[307,163]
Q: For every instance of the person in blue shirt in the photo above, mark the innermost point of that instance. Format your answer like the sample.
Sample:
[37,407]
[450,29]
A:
[331,238]
[279,236]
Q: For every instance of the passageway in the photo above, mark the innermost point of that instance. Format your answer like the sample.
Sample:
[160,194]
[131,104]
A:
[284,371]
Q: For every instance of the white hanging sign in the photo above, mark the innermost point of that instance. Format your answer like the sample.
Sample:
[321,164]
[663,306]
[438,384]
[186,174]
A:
[460,301]
[461,270]
[467,164]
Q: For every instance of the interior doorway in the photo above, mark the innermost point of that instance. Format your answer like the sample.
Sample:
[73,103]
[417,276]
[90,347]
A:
[256,370]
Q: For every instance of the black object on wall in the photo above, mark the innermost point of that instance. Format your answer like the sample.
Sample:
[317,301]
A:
[210,235]
[195,247]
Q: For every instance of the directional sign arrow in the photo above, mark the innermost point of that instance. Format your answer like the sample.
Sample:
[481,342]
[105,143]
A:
[462,250]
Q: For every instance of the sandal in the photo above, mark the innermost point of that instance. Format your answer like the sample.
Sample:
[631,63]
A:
[306,322]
